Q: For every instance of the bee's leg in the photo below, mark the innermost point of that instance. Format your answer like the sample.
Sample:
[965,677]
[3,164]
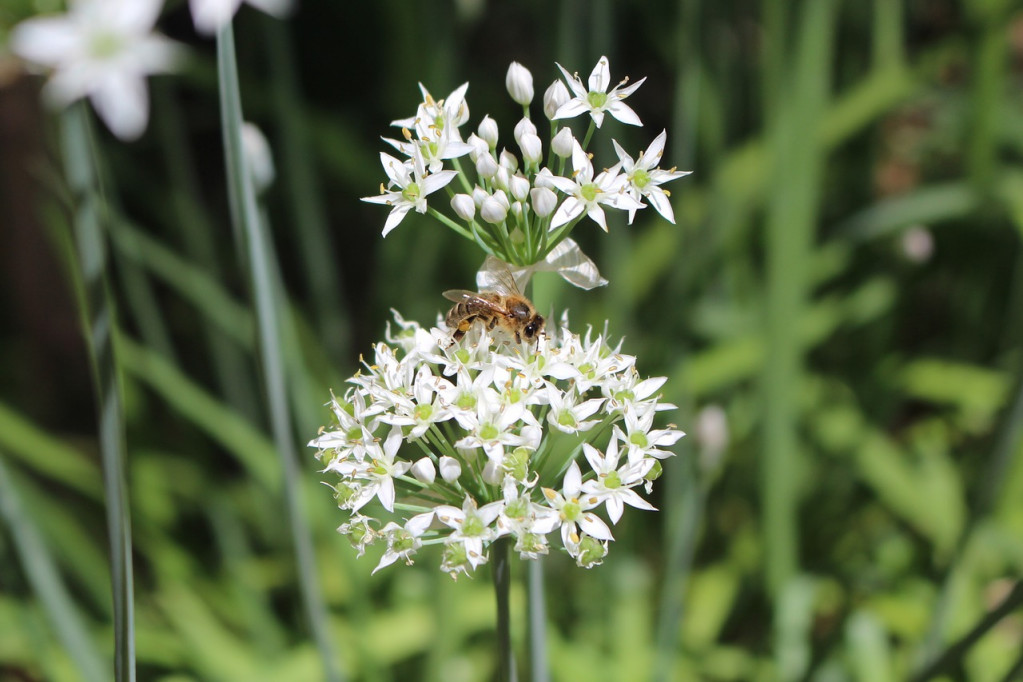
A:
[492,323]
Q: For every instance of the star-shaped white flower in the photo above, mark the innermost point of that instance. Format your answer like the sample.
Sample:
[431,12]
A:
[595,99]
[613,485]
[404,541]
[573,507]
[378,470]
[645,179]
[210,16]
[102,49]
[472,526]
[587,194]
[413,186]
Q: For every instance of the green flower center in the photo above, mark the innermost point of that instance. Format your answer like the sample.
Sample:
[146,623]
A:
[489,432]
[517,509]
[567,419]
[466,401]
[411,192]
[403,541]
[105,45]
[354,433]
[423,412]
[596,99]
[462,355]
[613,480]
[517,463]
[571,511]
[589,191]
[640,178]
[624,396]
[639,439]
[655,471]
[530,542]
[513,395]
[472,525]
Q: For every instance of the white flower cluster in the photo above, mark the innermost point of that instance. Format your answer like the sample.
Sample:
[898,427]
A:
[519,208]
[471,441]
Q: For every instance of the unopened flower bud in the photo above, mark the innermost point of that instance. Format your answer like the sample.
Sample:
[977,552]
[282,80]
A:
[544,201]
[522,127]
[516,235]
[479,146]
[450,469]
[509,161]
[424,470]
[501,178]
[532,148]
[712,435]
[555,96]
[543,178]
[258,158]
[563,143]
[464,207]
[519,187]
[519,83]
[917,244]
[478,195]
[488,131]
[486,166]
[493,211]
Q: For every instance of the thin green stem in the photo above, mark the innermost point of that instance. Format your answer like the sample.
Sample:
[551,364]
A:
[246,213]
[452,224]
[500,560]
[100,326]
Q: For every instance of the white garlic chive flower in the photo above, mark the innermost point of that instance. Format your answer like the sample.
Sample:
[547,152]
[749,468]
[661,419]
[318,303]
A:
[588,193]
[103,50]
[412,185]
[496,420]
[519,83]
[595,99]
[210,16]
[522,212]
[645,179]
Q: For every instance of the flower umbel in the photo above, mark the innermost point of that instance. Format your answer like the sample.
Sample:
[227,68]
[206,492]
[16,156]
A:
[498,422]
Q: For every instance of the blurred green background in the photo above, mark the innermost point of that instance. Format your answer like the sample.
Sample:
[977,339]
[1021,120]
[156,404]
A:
[844,286]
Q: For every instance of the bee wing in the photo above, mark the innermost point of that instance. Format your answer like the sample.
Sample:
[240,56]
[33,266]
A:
[474,298]
[496,275]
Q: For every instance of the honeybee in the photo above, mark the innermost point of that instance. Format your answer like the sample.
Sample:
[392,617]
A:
[503,307]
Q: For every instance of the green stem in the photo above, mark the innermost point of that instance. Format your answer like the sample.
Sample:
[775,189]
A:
[500,560]
[249,230]
[537,622]
[452,224]
[100,325]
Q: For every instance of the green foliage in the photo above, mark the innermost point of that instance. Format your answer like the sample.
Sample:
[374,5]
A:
[845,280]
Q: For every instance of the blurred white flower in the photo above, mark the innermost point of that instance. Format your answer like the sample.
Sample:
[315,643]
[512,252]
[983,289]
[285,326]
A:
[103,50]
[210,16]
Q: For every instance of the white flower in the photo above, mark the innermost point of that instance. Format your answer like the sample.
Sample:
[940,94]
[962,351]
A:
[642,440]
[424,470]
[587,194]
[423,408]
[596,100]
[519,83]
[532,148]
[103,49]
[210,15]
[645,179]
[450,469]
[403,541]
[413,186]
[573,508]
[567,416]
[493,210]
[613,485]
[543,201]
[472,527]
[563,144]
[378,471]
[487,131]
[444,116]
